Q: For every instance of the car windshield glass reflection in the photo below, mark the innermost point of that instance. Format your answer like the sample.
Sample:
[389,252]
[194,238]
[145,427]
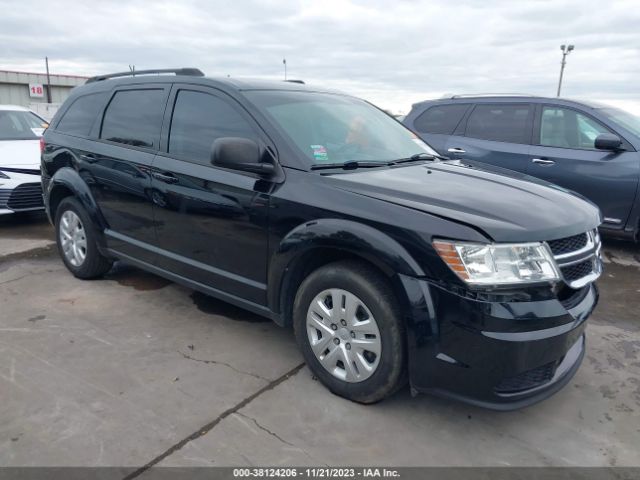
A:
[624,119]
[332,129]
[20,125]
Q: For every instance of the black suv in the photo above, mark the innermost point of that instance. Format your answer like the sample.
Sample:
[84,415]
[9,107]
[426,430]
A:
[320,211]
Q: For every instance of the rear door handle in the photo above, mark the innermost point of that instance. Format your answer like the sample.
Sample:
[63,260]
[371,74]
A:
[543,161]
[165,177]
[456,150]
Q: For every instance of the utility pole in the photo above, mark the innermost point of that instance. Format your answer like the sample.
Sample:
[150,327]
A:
[46,61]
[284,62]
[565,51]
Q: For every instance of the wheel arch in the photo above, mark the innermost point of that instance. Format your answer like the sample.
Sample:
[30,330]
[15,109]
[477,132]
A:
[314,244]
[67,182]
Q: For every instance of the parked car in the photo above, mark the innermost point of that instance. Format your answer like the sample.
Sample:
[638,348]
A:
[20,132]
[589,148]
[321,212]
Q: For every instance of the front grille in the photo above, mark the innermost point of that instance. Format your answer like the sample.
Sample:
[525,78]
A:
[577,271]
[568,244]
[26,196]
[4,197]
[578,258]
[527,380]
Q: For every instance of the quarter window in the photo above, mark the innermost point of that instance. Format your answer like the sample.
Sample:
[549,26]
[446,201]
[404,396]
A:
[199,119]
[134,117]
[566,128]
[440,119]
[500,123]
[80,116]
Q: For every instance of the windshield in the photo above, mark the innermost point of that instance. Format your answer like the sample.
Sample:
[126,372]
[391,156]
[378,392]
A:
[331,129]
[20,125]
[623,119]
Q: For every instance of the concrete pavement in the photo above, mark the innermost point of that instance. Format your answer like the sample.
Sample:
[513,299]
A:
[134,370]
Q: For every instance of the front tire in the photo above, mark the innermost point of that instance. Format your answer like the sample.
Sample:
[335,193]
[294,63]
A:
[348,326]
[76,240]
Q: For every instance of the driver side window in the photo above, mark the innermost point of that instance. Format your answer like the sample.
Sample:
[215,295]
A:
[566,128]
[200,118]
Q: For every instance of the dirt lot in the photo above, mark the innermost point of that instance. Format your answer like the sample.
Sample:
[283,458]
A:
[133,369]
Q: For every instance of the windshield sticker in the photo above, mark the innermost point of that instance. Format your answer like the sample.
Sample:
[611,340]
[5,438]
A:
[38,131]
[319,153]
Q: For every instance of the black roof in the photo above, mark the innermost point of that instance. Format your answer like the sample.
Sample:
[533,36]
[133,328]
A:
[195,76]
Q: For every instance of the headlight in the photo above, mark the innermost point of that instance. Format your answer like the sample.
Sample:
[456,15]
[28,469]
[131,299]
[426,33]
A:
[2,175]
[496,264]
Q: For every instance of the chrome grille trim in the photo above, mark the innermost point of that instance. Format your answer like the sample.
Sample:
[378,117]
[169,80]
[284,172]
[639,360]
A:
[590,252]
[587,249]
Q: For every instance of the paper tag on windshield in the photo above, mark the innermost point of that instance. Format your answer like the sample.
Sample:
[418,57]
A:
[38,131]
[319,153]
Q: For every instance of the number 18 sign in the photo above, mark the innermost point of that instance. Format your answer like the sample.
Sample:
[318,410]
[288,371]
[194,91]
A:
[36,90]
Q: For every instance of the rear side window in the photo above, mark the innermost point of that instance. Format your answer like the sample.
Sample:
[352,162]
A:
[134,117]
[440,119]
[500,123]
[79,118]
[200,118]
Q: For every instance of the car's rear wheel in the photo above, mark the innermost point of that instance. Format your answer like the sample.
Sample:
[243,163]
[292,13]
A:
[76,239]
[348,327]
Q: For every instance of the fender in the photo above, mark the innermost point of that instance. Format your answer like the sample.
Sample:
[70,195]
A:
[69,179]
[346,235]
[370,244]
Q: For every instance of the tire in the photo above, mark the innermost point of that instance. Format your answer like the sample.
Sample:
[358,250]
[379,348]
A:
[82,259]
[347,367]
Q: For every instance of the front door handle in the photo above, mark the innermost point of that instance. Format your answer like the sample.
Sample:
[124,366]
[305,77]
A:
[89,157]
[165,177]
[456,150]
[543,161]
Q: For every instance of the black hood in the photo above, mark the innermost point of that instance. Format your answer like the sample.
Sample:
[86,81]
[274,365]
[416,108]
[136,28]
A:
[506,208]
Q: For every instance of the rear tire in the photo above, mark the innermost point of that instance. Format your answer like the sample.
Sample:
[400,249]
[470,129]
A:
[76,239]
[347,324]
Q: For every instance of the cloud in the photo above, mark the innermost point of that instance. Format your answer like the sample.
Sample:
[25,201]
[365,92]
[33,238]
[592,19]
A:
[392,53]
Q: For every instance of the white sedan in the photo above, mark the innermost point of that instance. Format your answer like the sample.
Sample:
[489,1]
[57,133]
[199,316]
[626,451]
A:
[20,132]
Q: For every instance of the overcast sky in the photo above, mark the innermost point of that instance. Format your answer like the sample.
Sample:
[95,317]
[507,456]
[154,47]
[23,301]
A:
[392,53]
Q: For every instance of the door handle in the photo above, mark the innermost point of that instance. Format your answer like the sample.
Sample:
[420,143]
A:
[165,177]
[456,150]
[543,161]
[90,158]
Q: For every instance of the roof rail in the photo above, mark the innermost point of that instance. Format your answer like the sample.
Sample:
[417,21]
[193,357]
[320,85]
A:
[295,81]
[472,95]
[191,72]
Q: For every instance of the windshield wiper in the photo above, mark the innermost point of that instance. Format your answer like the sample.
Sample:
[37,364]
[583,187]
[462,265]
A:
[354,164]
[418,157]
[351,165]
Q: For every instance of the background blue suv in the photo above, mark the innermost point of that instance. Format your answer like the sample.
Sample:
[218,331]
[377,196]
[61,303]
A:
[589,148]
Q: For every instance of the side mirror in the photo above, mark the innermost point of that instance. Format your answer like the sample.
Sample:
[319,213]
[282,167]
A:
[608,141]
[239,154]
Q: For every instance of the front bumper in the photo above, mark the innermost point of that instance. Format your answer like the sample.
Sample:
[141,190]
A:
[495,354]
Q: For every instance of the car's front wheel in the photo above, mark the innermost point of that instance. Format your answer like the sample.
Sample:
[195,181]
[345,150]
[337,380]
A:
[76,239]
[349,329]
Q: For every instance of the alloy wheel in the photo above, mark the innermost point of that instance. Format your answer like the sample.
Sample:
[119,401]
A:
[73,238]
